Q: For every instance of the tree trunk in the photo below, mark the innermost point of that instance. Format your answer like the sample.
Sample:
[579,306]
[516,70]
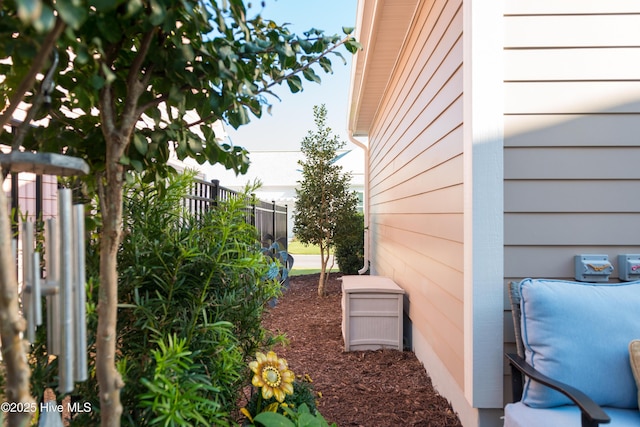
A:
[324,260]
[12,324]
[109,379]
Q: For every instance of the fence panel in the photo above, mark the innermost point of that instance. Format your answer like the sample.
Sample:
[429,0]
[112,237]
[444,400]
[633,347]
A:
[268,217]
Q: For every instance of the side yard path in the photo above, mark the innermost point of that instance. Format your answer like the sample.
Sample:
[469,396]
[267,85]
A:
[385,388]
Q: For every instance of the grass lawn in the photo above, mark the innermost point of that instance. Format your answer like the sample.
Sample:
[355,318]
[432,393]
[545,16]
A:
[296,247]
[302,271]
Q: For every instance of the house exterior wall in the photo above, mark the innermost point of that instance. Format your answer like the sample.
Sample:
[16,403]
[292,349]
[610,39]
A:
[551,89]
[572,120]
[417,195]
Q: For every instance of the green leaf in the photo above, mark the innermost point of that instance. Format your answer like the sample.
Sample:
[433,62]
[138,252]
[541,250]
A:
[108,74]
[74,15]
[103,5]
[352,45]
[347,30]
[238,117]
[295,84]
[308,420]
[29,10]
[96,81]
[311,75]
[325,63]
[158,12]
[46,20]
[272,419]
[140,144]
[137,165]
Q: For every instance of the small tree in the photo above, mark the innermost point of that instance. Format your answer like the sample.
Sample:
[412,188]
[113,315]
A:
[323,199]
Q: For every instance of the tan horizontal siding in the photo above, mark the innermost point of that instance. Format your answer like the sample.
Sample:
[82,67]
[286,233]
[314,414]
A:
[444,175]
[421,157]
[549,7]
[543,130]
[439,141]
[597,30]
[572,196]
[433,310]
[432,50]
[555,261]
[588,163]
[572,64]
[553,229]
[445,200]
[423,122]
[578,97]
[444,226]
[416,191]
[446,252]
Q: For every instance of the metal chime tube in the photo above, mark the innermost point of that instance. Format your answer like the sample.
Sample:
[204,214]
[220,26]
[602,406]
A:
[36,294]
[65,359]
[53,298]
[27,279]
[81,373]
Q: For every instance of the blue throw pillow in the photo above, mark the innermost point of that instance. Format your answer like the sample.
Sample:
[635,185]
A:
[579,333]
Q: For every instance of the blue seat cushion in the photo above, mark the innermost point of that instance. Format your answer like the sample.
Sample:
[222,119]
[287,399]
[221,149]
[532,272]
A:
[521,415]
[579,333]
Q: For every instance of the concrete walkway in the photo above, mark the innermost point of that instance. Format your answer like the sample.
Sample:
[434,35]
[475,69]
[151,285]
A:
[303,262]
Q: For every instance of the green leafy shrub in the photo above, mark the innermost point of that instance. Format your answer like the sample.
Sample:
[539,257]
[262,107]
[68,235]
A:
[349,244]
[192,292]
[295,417]
[180,391]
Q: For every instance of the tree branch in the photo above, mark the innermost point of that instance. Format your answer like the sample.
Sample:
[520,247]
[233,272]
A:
[37,64]
[308,65]
[136,85]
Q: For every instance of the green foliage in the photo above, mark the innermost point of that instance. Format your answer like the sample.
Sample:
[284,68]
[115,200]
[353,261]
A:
[324,199]
[178,64]
[303,394]
[295,417]
[192,293]
[180,393]
[182,275]
[349,245]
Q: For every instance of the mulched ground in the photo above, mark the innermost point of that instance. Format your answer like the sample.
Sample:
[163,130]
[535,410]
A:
[371,388]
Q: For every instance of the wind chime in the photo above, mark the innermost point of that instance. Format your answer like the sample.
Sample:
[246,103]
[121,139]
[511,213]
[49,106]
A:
[63,284]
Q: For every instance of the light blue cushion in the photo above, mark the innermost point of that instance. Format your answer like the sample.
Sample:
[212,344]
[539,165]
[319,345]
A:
[579,333]
[521,415]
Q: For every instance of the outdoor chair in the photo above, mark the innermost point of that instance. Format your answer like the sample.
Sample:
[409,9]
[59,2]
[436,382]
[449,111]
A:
[573,365]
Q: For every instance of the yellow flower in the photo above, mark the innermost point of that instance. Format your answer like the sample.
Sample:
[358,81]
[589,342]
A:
[272,374]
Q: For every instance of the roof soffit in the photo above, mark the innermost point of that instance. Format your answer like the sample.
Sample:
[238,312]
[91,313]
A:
[382,28]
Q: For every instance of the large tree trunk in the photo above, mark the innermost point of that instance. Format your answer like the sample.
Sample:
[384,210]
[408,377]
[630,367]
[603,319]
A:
[109,379]
[12,324]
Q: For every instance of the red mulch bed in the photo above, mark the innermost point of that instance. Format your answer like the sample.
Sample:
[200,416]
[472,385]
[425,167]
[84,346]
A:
[361,388]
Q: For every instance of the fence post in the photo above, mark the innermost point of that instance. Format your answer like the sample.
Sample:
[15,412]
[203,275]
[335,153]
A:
[216,191]
[286,226]
[273,221]
[253,210]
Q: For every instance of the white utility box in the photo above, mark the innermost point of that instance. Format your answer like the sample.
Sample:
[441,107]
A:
[371,313]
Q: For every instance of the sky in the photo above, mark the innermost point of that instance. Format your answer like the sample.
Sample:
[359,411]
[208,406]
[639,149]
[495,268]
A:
[292,116]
